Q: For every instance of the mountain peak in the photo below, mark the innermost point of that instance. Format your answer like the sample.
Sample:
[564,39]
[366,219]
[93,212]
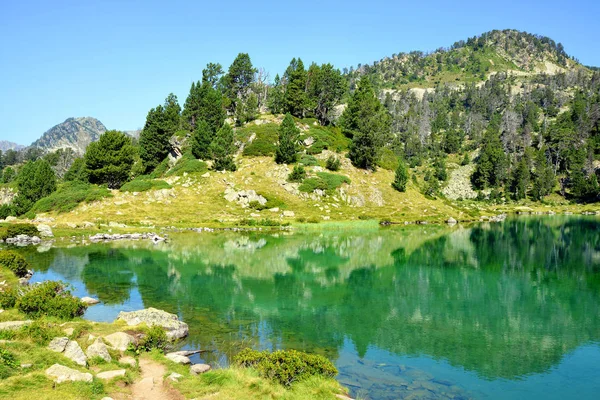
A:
[75,133]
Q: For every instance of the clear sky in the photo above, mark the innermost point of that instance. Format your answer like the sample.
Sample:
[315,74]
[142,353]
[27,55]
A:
[116,59]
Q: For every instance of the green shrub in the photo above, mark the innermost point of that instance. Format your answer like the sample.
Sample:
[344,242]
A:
[313,220]
[154,338]
[40,332]
[8,363]
[298,174]
[14,261]
[160,169]
[52,299]
[324,181]
[388,160]
[142,185]
[6,211]
[466,160]
[333,163]
[8,297]
[286,366]
[188,164]
[308,160]
[69,195]
[264,143]
[364,217]
[21,229]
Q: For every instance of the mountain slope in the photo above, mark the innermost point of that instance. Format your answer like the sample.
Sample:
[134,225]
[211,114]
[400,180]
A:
[74,133]
[471,61]
[6,145]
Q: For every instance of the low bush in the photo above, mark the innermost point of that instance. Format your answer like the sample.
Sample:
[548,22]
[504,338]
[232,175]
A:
[142,185]
[8,363]
[14,261]
[160,169]
[40,332]
[21,229]
[8,297]
[286,366]
[52,299]
[154,338]
[388,159]
[324,181]
[298,174]
[188,164]
[308,160]
[333,163]
[264,143]
[262,222]
[69,195]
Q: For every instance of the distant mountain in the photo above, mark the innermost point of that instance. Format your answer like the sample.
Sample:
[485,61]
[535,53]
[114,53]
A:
[6,145]
[470,61]
[74,133]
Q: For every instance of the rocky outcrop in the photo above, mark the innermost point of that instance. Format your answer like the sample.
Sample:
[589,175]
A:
[45,230]
[178,358]
[24,240]
[89,301]
[74,353]
[58,344]
[60,373]
[119,340]
[107,237]
[459,184]
[174,328]
[74,133]
[244,197]
[7,196]
[98,349]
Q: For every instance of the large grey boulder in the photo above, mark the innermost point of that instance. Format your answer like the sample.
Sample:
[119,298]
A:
[198,369]
[177,358]
[60,373]
[45,230]
[119,340]
[74,352]
[58,344]
[174,328]
[98,349]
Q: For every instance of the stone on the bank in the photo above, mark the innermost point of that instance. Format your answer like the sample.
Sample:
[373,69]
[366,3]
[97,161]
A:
[60,373]
[68,331]
[197,369]
[451,221]
[98,349]
[119,340]
[45,230]
[179,359]
[13,325]
[288,213]
[108,375]
[174,328]
[127,360]
[175,377]
[58,344]
[89,301]
[74,352]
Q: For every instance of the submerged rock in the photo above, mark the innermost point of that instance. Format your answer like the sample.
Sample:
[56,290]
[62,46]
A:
[174,328]
[60,373]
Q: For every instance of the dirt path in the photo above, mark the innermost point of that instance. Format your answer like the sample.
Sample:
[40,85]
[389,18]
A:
[150,385]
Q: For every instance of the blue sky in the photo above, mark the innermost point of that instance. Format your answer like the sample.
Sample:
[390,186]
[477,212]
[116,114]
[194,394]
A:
[116,59]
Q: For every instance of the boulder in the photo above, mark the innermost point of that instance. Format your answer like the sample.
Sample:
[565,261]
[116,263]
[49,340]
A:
[119,340]
[197,369]
[60,373]
[451,221]
[89,301]
[127,360]
[175,377]
[108,375]
[179,359]
[13,325]
[288,214]
[98,349]
[74,352]
[174,328]
[58,344]
[68,331]
[45,230]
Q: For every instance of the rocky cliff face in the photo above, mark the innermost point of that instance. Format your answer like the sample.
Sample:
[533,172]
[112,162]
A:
[6,145]
[74,133]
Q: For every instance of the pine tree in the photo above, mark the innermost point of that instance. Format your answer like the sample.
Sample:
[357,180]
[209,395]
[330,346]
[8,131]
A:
[520,180]
[287,149]
[367,122]
[203,137]
[326,86]
[8,175]
[77,171]
[295,99]
[401,177]
[543,177]
[238,79]
[490,168]
[35,180]
[276,95]
[222,149]
[109,160]
[154,139]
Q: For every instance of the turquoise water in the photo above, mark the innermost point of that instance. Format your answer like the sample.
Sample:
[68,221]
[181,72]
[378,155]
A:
[490,311]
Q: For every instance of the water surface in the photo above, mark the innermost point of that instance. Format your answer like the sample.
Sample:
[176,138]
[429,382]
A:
[490,311]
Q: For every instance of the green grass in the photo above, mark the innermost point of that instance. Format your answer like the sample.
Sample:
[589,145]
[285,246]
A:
[264,142]
[326,138]
[142,185]
[188,164]
[69,195]
[324,181]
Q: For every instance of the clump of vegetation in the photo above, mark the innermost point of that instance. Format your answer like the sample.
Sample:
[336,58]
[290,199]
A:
[262,222]
[8,297]
[287,149]
[298,174]
[401,177]
[323,181]
[286,366]
[333,163]
[40,332]
[155,337]
[8,363]
[14,262]
[69,195]
[51,299]
[143,184]
[188,164]
[18,229]
[308,160]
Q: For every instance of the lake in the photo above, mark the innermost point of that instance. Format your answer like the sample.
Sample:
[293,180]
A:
[487,311]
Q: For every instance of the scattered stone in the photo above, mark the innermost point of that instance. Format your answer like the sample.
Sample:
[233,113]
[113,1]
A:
[179,359]
[175,377]
[108,375]
[127,360]
[13,325]
[451,221]
[25,366]
[74,352]
[89,301]
[60,374]
[206,175]
[287,213]
[274,209]
[45,230]
[119,340]
[174,328]
[197,369]
[68,331]
[98,349]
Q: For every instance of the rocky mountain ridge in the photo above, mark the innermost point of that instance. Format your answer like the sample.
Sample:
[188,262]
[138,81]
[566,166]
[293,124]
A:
[6,145]
[74,133]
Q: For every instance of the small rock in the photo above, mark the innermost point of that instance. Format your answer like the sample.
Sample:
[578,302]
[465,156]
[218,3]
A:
[175,377]
[74,352]
[58,344]
[25,366]
[179,359]
[127,360]
[89,301]
[119,340]
[206,175]
[197,369]
[68,331]
[98,349]
[451,221]
[60,373]
[288,214]
[108,375]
